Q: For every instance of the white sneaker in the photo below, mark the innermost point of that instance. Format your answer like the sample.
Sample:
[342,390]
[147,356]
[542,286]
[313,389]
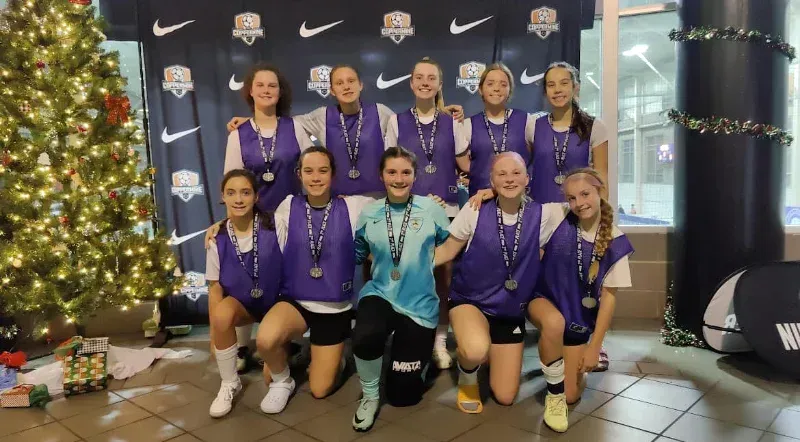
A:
[442,359]
[365,414]
[224,401]
[278,396]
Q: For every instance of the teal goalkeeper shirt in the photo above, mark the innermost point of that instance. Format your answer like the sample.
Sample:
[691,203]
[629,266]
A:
[414,295]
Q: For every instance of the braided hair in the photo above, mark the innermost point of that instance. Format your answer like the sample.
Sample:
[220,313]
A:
[605,230]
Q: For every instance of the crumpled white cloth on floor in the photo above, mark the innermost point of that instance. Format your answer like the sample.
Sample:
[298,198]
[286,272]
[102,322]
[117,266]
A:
[126,362]
[51,375]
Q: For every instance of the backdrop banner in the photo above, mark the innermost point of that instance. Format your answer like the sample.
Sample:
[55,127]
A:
[196,53]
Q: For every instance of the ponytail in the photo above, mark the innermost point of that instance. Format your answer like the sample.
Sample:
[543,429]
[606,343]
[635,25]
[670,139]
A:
[581,122]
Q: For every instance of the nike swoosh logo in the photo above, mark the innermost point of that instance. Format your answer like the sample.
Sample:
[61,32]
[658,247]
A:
[160,32]
[525,79]
[167,138]
[305,32]
[384,84]
[376,221]
[176,240]
[455,29]
[235,85]
[358,421]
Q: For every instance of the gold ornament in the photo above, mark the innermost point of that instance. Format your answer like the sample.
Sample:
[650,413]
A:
[17,263]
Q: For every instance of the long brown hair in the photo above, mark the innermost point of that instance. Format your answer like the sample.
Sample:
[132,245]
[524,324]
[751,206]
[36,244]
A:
[284,106]
[440,93]
[605,230]
[267,219]
[499,67]
[581,121]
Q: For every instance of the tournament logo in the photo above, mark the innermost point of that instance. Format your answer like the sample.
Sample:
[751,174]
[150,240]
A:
[194,286]
[415,224]
[397,26]
[319,80]
[186,184]
[247,26]
[469,76]
[178,80]
[543,22]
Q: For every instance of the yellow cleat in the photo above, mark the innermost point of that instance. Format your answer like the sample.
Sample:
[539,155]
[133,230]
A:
[555,412]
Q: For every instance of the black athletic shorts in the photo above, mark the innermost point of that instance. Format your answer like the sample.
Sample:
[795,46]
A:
[326,328]
[501,330]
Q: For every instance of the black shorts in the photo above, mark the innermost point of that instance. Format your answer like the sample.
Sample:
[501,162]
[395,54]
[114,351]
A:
[326,328]
[501,330]
[412,346]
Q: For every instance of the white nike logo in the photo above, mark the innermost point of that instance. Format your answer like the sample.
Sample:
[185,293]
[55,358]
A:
[235,85]
[383,84]
[456,29]
[525,79]
[305,33]
[517,331]
[176,240]
[167,138]
[160,32]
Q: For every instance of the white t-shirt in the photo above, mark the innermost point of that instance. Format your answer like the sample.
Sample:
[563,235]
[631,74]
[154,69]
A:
[553,214]
[465,132]
[598,136]
[233,151]
[354,205]
[212,254]
[314,121]
[392,133]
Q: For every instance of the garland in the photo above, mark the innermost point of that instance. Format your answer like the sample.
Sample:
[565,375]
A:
[671,333]
[8,332]
[704,33]
[721,124]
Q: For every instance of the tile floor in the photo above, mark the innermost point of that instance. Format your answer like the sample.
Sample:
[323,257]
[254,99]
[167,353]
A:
[652,393]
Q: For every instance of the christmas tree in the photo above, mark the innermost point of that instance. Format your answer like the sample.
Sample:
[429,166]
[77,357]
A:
[76,210]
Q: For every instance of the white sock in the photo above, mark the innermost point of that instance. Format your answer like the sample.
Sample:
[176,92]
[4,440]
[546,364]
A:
[465,378]
[553,373]
[243,334]
[226,361]
[440,343]
[282,376]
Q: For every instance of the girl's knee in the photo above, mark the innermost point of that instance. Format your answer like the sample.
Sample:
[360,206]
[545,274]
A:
[474,350]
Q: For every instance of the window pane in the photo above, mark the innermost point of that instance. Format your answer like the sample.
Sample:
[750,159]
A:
[646,89]
[591,94]
[792,176]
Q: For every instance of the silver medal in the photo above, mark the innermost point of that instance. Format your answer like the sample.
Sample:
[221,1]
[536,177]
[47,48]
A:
[559,179]
[430,168]
[395,275]
[511,284]
[353,174]
[316,272]
[256,293]
[268,177]
[589,302]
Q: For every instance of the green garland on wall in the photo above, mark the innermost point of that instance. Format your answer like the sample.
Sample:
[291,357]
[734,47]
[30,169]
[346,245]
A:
[671,333]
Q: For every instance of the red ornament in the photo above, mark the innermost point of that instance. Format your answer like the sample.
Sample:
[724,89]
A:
[71,172]
[115,156]
[40,64]
[81,2]
[6,159]
[113,194]
[143,211]
[118,108]
[63,220]
[82,129]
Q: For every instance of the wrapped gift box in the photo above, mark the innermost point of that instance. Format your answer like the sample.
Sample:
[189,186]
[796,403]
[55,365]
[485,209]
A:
[85,373]
[8,377]
[93,345]
[68,348]
[25,395]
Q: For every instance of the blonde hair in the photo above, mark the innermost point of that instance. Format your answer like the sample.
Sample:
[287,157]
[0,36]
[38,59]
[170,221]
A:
[499,67]
[440,93]
[519,159]
[606,228]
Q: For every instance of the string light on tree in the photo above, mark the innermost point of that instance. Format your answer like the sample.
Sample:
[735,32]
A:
[70,200]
